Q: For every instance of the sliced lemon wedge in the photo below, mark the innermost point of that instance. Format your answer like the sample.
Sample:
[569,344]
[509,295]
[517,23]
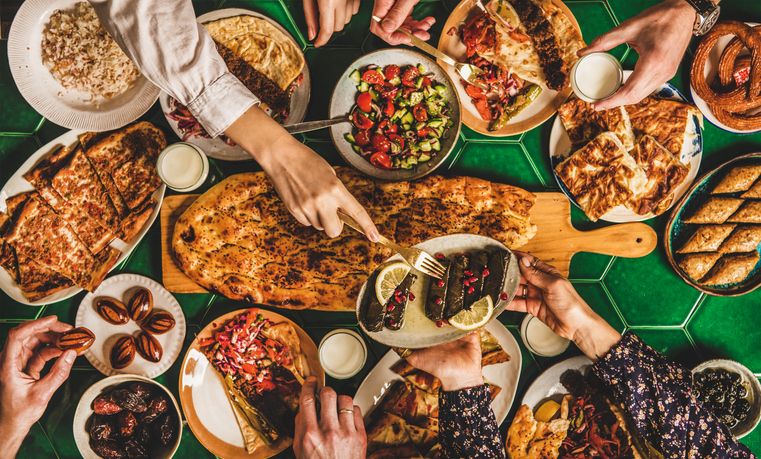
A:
[547,411]
[389,279]
[475,317]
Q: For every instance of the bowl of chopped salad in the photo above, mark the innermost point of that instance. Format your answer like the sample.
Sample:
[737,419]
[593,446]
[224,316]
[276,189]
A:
[404,114]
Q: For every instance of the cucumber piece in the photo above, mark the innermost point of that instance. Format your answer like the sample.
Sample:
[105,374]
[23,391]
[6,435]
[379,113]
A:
[436,122]
[441,89]
[398,115]
[408,119]
[374,95]
[356,149]
[363,86]
[423,158]
[433,108]
[349,138]
[395,148]
[416,97]
[355,76]
[425,145]
[396,81]
[435,144]
[419,126]
[421,68]
[406,126]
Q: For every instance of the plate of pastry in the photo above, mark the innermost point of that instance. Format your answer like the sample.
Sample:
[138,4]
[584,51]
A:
[630,163]
[402,307]
[713,235]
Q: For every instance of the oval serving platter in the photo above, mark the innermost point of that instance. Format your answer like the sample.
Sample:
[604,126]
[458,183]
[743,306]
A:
[418,330]
[677,231]
[18,184]
[342,100]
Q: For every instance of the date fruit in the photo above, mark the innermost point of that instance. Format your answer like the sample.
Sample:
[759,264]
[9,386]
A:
[105,405]
[123,352]
[148,347]
[141,389]
[111,310]
[78,339]
[166,428]
[126,421]
[159,322]
[156,407]
[100,428]
[128,400]
[135,449]
[108,449]
[140,305]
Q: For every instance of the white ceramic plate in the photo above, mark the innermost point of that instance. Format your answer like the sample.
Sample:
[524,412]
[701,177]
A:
[547,385]
[84,411]
[709,71]
[505,375]
[66,107]
[560,148]
[121,287]
[17,184]
[217,148]
[418,330]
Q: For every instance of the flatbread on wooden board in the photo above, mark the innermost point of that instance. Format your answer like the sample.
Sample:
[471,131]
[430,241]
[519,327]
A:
[239,240]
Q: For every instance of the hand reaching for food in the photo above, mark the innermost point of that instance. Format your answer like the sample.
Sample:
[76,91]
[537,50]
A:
[331,15]
[660,36]
[457,364]
[338,432]
[547,295]
[395,14]
[24,390]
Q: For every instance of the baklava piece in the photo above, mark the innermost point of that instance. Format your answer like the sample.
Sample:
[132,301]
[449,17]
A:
[732,268]
[715,210]
[707,238]
[745,239]
[754,192]
[740,178]
[696,265]
[750,212]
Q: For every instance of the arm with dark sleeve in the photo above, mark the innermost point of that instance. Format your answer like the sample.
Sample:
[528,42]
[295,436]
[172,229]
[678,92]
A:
[176,54]
[467,426]
[657,393]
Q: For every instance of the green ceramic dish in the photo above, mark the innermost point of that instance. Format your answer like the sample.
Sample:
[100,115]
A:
[677,232]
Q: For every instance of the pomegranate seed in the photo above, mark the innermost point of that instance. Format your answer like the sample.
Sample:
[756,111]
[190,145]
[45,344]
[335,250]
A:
[390,307]
[466,282]
[440,283]
[438,301]
[473,279]
[485,272]
[468,272]
[397,292]
[439,255]
[503,296]
[391,322]
[471,290]
[439,323]
[411,296]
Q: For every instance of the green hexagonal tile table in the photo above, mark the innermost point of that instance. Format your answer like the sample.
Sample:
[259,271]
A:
[643,295]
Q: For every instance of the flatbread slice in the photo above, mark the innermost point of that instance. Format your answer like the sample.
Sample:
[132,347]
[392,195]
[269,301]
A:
[749,212]
[583,123]
[731,269]
[715,210]
[664,174]
[387,430]
[696,265]
[135,221]
[746,238]
[668,121]
[739,178]
[707,238]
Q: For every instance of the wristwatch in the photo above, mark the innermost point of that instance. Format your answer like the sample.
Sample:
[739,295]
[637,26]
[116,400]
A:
[707,15]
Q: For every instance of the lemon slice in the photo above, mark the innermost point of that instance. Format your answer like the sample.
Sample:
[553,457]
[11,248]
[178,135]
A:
[547,411]
[475,317]
[389,279]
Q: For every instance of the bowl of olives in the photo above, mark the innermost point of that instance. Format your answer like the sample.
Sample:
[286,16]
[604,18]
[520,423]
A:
[127,416]
[731,392]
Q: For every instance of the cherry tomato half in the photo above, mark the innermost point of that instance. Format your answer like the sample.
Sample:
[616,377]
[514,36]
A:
[380,143]
[362,138]
[382,125]
[372,76]
[420,113]
[389,92]
[364,101]
[426,82]
[361,121]
[391,71]
[381,160]
[423,132]
[409,75]
[392,128]
[389,109]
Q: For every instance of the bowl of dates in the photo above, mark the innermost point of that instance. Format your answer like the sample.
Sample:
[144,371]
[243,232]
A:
[127,416]
[731,392]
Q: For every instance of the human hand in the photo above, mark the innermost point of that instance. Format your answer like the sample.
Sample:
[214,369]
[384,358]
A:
[395,14]
[24,392]
[457,364]
[340,431]
[549,296]
[660,35]
[333,14]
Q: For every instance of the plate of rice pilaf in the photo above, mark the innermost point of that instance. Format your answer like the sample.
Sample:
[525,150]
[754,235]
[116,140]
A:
[71,71]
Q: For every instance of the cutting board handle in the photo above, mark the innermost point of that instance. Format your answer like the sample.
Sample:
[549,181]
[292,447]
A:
[629,240]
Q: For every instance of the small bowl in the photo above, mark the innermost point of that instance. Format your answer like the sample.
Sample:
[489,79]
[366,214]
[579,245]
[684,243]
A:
[754,392]
[361,347]
[84,411]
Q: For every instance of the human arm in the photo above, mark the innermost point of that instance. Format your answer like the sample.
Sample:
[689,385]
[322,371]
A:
[24,391]
[660,35]
[656,392]
[331,15]
[467,425]
[339,433]
[395,14]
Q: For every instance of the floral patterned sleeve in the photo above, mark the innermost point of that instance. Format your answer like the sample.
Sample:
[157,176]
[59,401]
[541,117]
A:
[467,426]
[657,393]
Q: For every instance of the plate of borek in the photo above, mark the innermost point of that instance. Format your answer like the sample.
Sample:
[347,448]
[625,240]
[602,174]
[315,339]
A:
[71,71]
[240,382]
[525,49]
[266,59]
[402,307]
[567,412]
[630,163]
[77,208]
[400,403]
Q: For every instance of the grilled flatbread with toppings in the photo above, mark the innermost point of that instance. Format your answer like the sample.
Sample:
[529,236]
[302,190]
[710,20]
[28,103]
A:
[664,174]
[238,239]
[668,121]
[583,123]
[601,175]
[707,238]
[715,210]
[696,265]
[265,47]
[732,268]
[528,438]
[746,238]
[749,212]
[739,178]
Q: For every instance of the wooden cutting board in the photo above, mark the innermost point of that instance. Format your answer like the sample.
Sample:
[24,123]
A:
[556,239]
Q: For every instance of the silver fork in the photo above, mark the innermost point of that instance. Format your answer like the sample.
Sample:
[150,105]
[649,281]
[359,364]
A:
[418,259]
[468,72]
